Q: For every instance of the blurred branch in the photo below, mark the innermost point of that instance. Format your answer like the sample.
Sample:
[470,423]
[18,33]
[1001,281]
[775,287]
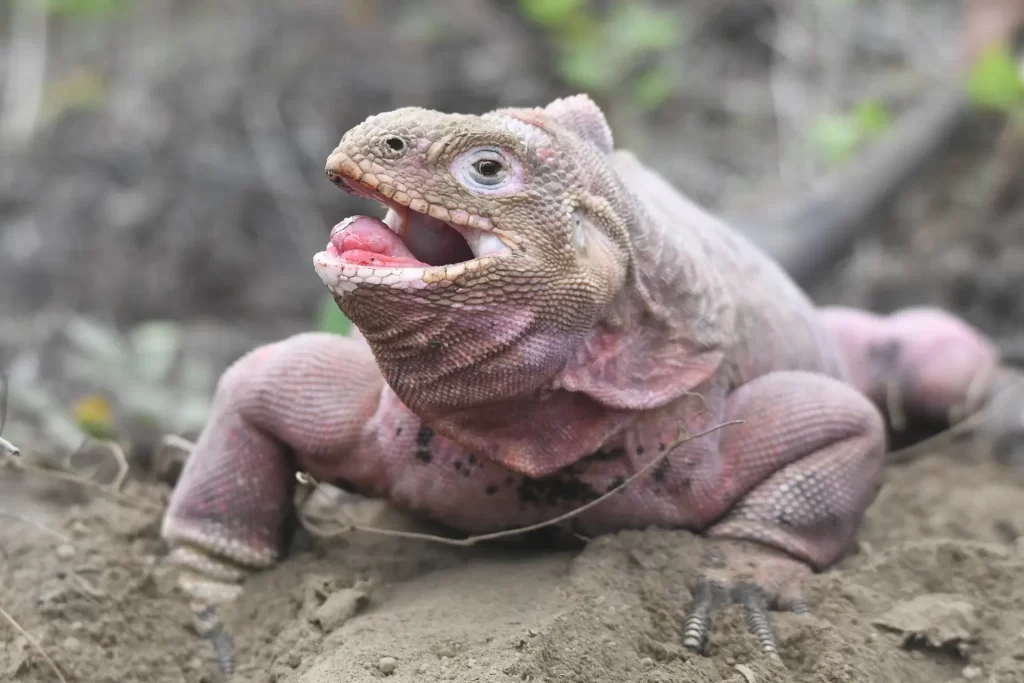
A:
[26,70]
[267,131]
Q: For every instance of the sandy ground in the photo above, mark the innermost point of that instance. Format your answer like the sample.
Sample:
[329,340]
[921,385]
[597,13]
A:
[932,593]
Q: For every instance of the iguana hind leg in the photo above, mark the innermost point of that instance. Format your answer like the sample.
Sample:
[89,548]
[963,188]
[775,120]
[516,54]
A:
[926,369]
[806,463]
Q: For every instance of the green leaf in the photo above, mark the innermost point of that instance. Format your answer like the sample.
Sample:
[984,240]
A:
[156,346]
[84,8]
[331,319]
[96,341]
[871,118]
[995,80]
[837,137]
[641,28]
[654,88]
[590,66]
[552,13]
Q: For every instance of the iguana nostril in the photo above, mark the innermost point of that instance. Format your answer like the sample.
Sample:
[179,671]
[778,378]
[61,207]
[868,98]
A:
[396,144]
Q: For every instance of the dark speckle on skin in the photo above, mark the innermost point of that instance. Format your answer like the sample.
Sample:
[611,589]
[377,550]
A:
[423,438]
[491,489]
[639,450]
[398,432]
[509,480]
[472,459]
[660,470]
[662,446]
[458,465]
[557,489]
[606,455]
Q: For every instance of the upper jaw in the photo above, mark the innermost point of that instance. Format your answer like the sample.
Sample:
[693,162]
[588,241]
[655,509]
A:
[416,222]
[478,231]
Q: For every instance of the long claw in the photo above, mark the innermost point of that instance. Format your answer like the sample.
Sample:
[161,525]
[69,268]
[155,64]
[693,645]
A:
[755,604]
[708,598]
[210,627]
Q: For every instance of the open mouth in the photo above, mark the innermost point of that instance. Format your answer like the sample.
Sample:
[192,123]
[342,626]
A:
[415,241]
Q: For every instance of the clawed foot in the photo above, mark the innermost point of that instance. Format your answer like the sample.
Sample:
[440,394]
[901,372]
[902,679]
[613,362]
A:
[210,582]
[749,574]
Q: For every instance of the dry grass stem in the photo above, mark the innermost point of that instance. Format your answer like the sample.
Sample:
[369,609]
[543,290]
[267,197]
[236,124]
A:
[318,531]
[32,641]
[8,449]
[37,525]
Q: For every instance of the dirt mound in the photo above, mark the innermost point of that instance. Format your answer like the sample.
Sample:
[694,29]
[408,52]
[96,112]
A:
[932,594]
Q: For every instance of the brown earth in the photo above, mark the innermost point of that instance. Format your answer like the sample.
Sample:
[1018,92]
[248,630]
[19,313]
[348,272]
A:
[933,593]
[935,589]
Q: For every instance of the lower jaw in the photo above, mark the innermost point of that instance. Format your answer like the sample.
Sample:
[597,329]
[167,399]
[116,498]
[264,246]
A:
[342,275]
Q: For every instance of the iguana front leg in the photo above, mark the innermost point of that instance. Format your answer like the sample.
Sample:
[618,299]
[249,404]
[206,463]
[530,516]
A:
[799,471]
[304,401]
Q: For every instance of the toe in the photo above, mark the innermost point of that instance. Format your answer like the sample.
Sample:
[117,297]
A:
[754,576]
[756,603]
[708,597]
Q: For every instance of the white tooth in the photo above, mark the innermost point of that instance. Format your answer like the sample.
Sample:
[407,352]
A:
[393,220]
[483,243]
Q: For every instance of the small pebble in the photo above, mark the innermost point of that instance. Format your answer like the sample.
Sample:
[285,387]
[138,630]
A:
[65,551]
[387,665]
[72,645]
[423,668]
[970,672]
[647,662]
[77,626]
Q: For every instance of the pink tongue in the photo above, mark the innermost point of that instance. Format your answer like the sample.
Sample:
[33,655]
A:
[369,242]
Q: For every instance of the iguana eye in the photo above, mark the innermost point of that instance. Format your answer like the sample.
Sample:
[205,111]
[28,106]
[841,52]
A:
[484,169]
[488,167]
[488,171]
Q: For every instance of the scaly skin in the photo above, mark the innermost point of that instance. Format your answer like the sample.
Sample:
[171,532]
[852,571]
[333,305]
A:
[602,311]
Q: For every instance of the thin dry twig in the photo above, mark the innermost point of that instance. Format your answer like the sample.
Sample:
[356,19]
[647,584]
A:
[108,490]
[6,447]
[35,645]
[37,525]
[316,530]
[111,490]
[117,453]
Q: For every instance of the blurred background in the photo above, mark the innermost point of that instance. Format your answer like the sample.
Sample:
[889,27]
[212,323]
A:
[161,162]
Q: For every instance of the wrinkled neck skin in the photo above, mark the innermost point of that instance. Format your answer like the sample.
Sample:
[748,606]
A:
[518,375]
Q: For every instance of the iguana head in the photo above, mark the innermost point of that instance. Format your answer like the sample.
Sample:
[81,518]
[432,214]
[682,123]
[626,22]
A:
[501,294]
[498,253]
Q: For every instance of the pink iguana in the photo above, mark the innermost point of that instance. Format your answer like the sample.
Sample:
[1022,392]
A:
[539,314]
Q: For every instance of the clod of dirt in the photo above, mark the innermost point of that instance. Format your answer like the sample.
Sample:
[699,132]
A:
[339,608]
[935,620]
